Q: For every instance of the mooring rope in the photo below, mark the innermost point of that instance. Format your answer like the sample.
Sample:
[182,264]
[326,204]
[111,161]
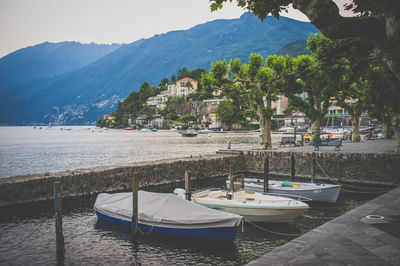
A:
[37,228]
[347,190]
[145,234]
[318,218]
[270,231]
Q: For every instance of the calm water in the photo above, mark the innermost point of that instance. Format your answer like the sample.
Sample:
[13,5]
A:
[25,150]
[89,242]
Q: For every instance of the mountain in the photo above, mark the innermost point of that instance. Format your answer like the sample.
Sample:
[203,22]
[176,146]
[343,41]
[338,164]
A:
[93,90]
[47,60]
[294,48]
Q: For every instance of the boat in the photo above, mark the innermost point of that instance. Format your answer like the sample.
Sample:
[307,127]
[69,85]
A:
[253,206]
[154,130]
[205,131]
[287,129]
[189,133]
[321,192]
[165,213]
[128,128]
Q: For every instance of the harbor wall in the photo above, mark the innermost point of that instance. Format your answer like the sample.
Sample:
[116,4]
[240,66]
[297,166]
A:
[94,180]
[342,167]
[368,168]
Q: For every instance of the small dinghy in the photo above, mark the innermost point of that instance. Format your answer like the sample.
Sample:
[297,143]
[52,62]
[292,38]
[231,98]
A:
[254,207]
[314,191]
[168,214]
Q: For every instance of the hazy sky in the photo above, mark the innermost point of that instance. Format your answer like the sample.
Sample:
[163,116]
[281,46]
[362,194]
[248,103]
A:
[28,22]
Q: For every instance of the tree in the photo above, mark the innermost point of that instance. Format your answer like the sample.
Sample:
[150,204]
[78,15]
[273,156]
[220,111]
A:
[255,84]
[346,62]
[227,113]
[378,21]
[309,90]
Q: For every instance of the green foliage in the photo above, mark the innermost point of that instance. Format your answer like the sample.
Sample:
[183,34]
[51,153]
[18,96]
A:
[228,113]
[188,118]
[253,86]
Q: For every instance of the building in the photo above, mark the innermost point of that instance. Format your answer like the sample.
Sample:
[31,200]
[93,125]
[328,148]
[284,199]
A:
[280,105]
[177,89]
[142,119]
[182,88]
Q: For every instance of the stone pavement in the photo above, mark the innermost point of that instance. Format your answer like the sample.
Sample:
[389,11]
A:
[351,239]
[365,146]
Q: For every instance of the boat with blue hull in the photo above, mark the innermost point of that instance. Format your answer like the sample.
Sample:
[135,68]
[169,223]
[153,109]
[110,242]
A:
[167,214]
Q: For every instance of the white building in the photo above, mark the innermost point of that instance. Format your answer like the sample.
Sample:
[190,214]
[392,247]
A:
[177,89]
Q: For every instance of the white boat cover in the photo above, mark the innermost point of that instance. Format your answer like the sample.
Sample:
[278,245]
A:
[164,209]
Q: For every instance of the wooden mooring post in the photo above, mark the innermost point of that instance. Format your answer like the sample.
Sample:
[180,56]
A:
[231,180]
[293,166]
[188,195]
[135,210]
[313,168]
[266,174]
[58,217]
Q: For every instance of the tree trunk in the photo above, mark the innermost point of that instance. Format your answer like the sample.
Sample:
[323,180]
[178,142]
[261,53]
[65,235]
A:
[315,129]
[355,125]
[396,125]
[386,134]
[265,136]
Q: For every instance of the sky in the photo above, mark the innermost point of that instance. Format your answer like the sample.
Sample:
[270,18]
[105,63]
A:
[29,22]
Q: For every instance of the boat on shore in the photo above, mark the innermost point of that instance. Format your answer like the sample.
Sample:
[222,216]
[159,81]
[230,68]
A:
[321,192]
[165,213]
[253,206]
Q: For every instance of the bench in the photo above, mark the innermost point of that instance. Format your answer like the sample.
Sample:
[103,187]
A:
[327,142]
[288,140]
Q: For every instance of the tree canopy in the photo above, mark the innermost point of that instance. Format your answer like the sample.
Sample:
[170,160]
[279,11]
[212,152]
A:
[376,20]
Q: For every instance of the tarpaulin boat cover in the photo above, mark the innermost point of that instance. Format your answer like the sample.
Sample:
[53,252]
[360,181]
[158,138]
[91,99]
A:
[163,209]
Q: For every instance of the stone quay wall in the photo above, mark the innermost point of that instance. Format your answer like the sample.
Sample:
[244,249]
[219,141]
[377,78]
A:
[368,168]
[94,180]
[343,167]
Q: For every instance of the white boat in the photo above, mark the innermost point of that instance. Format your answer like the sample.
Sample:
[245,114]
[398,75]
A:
[315,191]
[253,206]
[287,129]
[205,131]
[167,214]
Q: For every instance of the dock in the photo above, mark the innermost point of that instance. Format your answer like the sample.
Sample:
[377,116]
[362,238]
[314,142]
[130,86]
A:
[350,239]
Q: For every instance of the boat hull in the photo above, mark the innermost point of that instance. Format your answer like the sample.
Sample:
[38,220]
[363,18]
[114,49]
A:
[254,207]
[261,215]
[321,192]
[209,233]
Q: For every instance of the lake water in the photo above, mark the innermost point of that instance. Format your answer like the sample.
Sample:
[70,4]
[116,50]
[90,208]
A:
[88,242]
[26,150]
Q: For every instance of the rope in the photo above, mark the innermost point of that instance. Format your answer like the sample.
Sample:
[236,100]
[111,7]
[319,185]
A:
[270,231]
[145,234]
[352,191]
[37,228]
[318,218]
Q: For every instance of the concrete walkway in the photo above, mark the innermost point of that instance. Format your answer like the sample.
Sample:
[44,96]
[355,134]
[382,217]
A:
[351,239]
[365,146]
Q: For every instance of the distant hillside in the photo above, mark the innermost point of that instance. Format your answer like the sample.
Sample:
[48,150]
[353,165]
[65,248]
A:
[294,48]
[47,60]
[95,89]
